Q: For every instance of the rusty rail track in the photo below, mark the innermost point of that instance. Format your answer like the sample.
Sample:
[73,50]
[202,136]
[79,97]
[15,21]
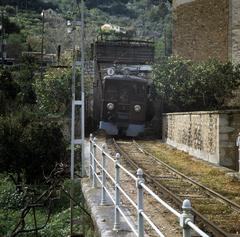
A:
[163,181]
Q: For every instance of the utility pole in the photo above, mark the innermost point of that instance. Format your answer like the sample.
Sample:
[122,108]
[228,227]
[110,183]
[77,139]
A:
[77,103]
[72,170]
[2,38]
[82,86]
[165,42]
[42,43]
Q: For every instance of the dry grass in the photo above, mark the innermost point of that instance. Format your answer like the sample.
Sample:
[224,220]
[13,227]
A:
[209,175]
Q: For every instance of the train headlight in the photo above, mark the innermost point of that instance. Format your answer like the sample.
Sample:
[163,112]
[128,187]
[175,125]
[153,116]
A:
[110,106]
[137,108]
[110,71]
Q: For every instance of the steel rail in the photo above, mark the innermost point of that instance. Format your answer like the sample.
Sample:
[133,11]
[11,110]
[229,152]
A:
[127,172]
[104,152]
[127,196]
[168,207]
[152,224]
[212,192]
[165,191]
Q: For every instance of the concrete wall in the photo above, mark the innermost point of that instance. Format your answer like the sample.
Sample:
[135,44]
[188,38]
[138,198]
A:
[200,29]
[207,135]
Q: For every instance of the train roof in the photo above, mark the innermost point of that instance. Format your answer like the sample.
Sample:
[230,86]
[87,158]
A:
[126,78]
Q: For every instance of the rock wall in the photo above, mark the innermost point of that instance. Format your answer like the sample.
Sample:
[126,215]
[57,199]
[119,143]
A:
[207,135]
[229,126]
[201,29]
[234,31]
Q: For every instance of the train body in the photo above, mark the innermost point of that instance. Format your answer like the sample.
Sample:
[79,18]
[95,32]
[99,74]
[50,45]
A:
[119,93]
[123,105]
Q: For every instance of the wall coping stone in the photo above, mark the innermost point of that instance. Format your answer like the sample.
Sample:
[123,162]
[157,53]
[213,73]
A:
[178,3]
[235,111]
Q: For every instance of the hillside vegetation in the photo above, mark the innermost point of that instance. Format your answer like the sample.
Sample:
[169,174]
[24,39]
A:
[147,19]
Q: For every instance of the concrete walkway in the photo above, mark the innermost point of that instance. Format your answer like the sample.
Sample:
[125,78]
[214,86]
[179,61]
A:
[102,216]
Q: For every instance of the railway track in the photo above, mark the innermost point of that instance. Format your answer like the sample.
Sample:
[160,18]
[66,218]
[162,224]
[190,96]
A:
[213,212]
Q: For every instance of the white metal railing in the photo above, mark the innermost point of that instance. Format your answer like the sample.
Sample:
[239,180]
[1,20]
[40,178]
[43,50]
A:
[186,219]
[238,145]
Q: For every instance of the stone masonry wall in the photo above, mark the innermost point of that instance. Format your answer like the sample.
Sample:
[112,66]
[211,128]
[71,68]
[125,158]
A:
[229,126]
[200,29]
[206,135]
[234,31]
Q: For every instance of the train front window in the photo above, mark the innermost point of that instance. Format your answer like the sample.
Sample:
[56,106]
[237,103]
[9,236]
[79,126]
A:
[139,91]
[111,91]
[124,92]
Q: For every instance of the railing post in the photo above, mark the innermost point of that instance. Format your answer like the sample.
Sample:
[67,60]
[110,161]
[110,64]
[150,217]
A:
[117,195]
[238,145]
[90,157]
[94,184]
[239,159]
[103,193]
[140,180]
[185,217]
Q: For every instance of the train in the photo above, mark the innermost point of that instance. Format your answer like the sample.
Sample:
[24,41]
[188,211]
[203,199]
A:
[123,105]
[121,87]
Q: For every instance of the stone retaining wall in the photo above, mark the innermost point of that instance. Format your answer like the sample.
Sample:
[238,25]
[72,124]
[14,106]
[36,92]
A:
[201,29]
[234,31]
[204,29]
[209,136]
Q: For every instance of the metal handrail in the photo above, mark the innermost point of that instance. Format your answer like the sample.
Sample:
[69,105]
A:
[157,198]
[186,219]
[127,172]
[152,224]
[128,221]
[128,198]
[196,229]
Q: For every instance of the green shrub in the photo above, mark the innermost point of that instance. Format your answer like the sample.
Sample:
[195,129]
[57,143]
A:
[54,91]
[10,198]
[187,86]
[29,146]
[8,91]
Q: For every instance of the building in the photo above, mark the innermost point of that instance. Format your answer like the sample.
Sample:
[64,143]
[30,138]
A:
[204,29]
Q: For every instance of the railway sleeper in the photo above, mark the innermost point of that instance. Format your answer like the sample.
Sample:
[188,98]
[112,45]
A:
[228,226]
[164,177]
[206,201]
[192,196]
[213,208]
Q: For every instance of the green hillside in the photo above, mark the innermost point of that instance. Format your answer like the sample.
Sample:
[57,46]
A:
[147,20]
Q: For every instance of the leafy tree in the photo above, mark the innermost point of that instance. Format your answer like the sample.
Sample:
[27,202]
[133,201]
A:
[187,86]
[117,9]
[25,78]
[25,150]
[10,10]
[16,87]
[37,5]
[97,3]
[215,82]
[8,91]
[9,27]
[54,91]
[25,136]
